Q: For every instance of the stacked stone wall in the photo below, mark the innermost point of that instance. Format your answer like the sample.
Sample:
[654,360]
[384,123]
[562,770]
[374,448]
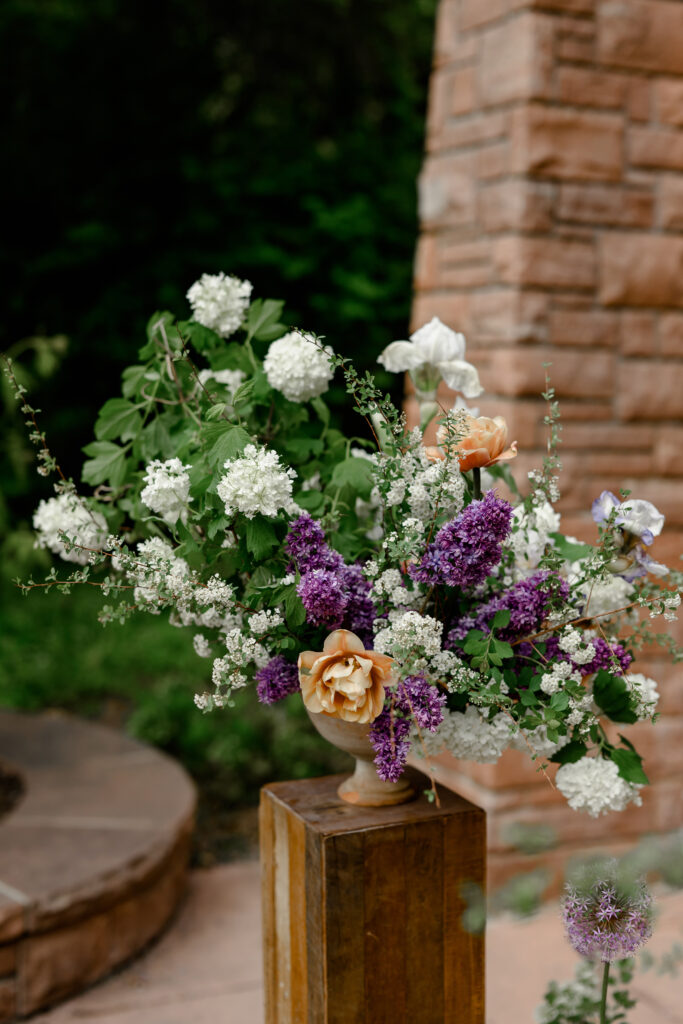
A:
[551,205]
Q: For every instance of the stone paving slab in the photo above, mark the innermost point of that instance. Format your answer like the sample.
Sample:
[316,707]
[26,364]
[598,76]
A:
[207,968]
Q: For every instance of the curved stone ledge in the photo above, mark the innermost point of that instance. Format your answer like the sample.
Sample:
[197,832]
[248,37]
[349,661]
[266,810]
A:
[93,859]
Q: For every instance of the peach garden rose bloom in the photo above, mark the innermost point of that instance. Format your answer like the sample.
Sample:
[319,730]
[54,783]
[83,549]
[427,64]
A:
[344,680]
[485,443]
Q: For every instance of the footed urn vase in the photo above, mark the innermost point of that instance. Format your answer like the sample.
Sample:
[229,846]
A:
[364,788]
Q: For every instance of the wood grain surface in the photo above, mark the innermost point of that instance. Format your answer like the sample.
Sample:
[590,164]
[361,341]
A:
[362,908]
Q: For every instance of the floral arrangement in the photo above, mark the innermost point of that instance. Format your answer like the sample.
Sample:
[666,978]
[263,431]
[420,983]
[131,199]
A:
[388,582]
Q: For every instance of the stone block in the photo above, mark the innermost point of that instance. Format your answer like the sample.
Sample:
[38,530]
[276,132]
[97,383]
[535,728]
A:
[671,334]
[593,328]
[667,453]
[605,204]
[598,436]
[641,270]
[586,87]
[641,34]
[515,205]
[516,60]
[574,374]
[469,131]
[544,262]
[656,148]
[425,270]
[452,309]
[446,191]
[450,45]
[508,316]
[638,333]
[669,101]
[647,390]
[462,92]
[552,142]
[639,100]
[631,464]
[575,41]
[671,203]
[493,161]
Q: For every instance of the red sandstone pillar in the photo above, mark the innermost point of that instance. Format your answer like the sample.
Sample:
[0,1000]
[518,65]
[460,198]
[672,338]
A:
[551,206]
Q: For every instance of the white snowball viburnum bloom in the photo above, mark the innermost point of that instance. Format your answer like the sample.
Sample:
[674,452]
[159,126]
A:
[434,351]
[231,379]
[256,483]
[537,739]
[167,491]
[68,514]
[297,368]
[593,784]
[220,302]
[470,736]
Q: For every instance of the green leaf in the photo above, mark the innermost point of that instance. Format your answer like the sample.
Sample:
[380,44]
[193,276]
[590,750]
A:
[354,473]
[118,418]
[230,443]
[475,642]
[243,394]
[302,447]
[311,501]
[263,313]
[502,648]
[501,618]
[570,753]
[216,524]
[528,698]
[630,765]
[201,338]
[559,701]
[569,549]
[133,378]
[216,412]
[322,411]
[261,537]
[295,613]
[611,694]
[108,462]
[188,542]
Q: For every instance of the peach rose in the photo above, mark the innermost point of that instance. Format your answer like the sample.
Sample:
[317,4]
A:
[344,680]
[485,444]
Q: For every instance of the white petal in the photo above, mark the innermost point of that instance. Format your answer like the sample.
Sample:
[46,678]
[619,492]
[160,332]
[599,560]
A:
[400,356]
[438,343]
[461,376]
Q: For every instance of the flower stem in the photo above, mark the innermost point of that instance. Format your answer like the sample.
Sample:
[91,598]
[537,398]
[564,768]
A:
[476,483]
[603,998]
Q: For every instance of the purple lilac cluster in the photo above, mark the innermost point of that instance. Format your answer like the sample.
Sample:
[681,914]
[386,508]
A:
[608,920]
[276,680]
[333,594]
[528,602]
[605,655]
[414,698]
[466,549]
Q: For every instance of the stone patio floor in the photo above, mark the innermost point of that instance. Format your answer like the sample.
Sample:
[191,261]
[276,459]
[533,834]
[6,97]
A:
[206,969]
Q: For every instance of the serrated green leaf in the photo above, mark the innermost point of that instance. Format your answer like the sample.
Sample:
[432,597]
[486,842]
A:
[611,694]
[559,701]
[216,412]
[261,537]
[188,542]
[229,444]
[528,699]
[303,447]
[295,613]
[502,648]
[570,550]
[118,418]
[108,463]
[243,394]
[201,338]
[501,618]
[311,501]
[630,765]
[354,473]
[132,380]
[570,753]
[262,314]
[217,523]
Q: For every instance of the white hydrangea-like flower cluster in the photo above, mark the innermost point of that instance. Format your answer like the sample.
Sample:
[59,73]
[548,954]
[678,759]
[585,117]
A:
[220,302]
[230,379]
[593,784]
[215,592]
[574,643]
[412,633]
[256,483]
[559,673]
[645,693]
[297,368]
[389,587]
[452,671]
[67,514]
[229,672]
[201,645]
[531,533]
[470,736]
[167,491]
[263,622]
[604,597]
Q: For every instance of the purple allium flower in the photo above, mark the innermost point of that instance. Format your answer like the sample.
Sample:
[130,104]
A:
[307,547]
[325,595]
[528,602]
[276,680]
[414,699]
[607,916]
[466,549]
[605,655]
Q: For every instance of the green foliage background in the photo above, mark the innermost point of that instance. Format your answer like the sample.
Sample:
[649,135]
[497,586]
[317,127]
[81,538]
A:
[146,143]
